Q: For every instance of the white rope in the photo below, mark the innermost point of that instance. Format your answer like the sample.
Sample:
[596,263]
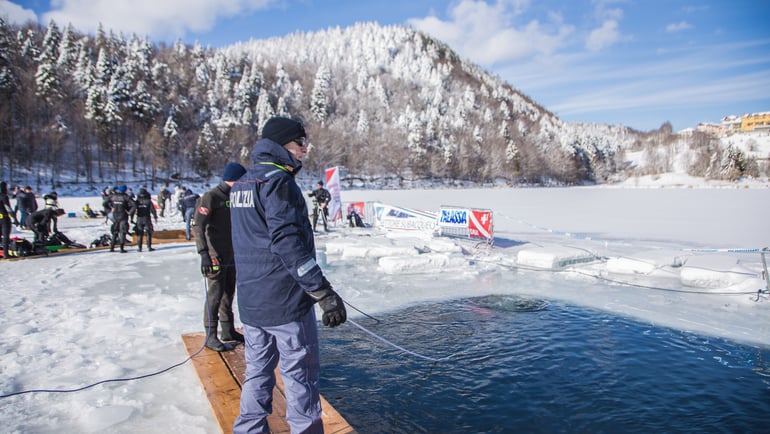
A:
[372,334]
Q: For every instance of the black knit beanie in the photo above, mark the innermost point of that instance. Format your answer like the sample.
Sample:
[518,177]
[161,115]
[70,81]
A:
[233,172]
[282,130]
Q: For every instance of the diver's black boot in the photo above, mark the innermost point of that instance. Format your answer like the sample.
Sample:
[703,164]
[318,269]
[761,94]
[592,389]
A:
[229,333]
[149,242]
[212,342]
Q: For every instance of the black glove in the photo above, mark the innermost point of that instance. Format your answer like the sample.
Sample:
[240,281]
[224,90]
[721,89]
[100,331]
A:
[209,267]
[331,304]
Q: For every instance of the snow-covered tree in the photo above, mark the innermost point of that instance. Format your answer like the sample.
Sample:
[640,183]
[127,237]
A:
[320,94]
[68,51]
[362,126]
[47,76]
[264,109]
[170,128]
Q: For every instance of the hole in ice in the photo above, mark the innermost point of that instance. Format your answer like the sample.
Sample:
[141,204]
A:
[510,303]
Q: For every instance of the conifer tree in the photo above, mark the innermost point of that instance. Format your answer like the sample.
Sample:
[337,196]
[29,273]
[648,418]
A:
[319,96]
[47,76]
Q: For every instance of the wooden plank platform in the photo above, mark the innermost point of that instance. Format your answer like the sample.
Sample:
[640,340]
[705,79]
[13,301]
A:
[222,374]
[165,236]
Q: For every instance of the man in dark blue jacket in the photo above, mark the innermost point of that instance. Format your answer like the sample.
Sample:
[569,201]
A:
[278,282]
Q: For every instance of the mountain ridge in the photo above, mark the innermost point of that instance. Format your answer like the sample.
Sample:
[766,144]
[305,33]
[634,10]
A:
[377,100]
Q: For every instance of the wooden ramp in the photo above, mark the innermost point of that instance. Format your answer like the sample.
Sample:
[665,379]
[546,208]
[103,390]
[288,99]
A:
[165,236]
[222,374]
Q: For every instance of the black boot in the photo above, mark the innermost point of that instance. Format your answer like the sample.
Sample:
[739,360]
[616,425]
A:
[229,333]
[149,242]
[140,241]
[212,342]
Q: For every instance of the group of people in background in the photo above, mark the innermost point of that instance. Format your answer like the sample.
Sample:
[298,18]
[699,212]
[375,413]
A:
[252,232]
[42,222]
[119,204]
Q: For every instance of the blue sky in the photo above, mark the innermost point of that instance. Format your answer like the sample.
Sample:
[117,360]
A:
[637,63]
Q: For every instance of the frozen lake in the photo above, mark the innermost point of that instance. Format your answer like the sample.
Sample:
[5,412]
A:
[78,319]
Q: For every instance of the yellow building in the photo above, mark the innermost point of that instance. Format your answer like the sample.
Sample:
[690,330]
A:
[755,120]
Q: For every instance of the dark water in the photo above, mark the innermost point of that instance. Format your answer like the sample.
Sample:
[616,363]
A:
[523,365]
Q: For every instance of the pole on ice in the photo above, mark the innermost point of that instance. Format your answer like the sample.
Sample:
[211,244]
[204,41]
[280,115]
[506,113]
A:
[764,267]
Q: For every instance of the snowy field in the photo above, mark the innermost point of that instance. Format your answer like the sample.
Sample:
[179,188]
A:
[660,255]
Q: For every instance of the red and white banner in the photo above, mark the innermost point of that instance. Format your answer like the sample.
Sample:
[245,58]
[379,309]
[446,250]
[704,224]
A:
[465,222]
[333,185]
[480,224]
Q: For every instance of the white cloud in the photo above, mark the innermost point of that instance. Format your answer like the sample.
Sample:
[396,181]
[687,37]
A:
[603,37]
[156,18]
[678,27]
[485,34]
[14,13]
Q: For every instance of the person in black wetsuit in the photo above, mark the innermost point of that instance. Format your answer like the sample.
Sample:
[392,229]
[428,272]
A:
[321,198]
[145,212]
[43,221]
[7,215]
[121,206]
[213,240]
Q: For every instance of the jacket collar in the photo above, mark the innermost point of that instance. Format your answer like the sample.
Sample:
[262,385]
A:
[268,151]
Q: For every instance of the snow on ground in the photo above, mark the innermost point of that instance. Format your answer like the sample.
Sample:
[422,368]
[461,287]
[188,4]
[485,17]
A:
[663,256]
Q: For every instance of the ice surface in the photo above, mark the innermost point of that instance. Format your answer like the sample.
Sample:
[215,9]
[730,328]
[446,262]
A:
[72,320]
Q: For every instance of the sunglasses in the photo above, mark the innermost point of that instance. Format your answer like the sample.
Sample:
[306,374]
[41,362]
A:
[300,141]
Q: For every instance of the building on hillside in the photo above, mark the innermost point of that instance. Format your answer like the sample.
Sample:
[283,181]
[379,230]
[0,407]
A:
[717,130]
[732,123]
[755,121]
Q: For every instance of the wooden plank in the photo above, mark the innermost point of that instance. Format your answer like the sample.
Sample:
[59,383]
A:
[158,237]
[222,375]
[222,391]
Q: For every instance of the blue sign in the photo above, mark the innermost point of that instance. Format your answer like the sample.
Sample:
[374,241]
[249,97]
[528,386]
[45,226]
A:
[454,217]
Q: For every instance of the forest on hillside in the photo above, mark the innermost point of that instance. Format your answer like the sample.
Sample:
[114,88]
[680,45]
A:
[382,102]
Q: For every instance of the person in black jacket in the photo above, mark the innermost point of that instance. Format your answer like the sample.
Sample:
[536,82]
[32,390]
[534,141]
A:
[26,204]
[121,207]
[6,215]
[188,209]
[41,221]
[164,195]
[51,200]
[321,198]
[145,212]
[214,243]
